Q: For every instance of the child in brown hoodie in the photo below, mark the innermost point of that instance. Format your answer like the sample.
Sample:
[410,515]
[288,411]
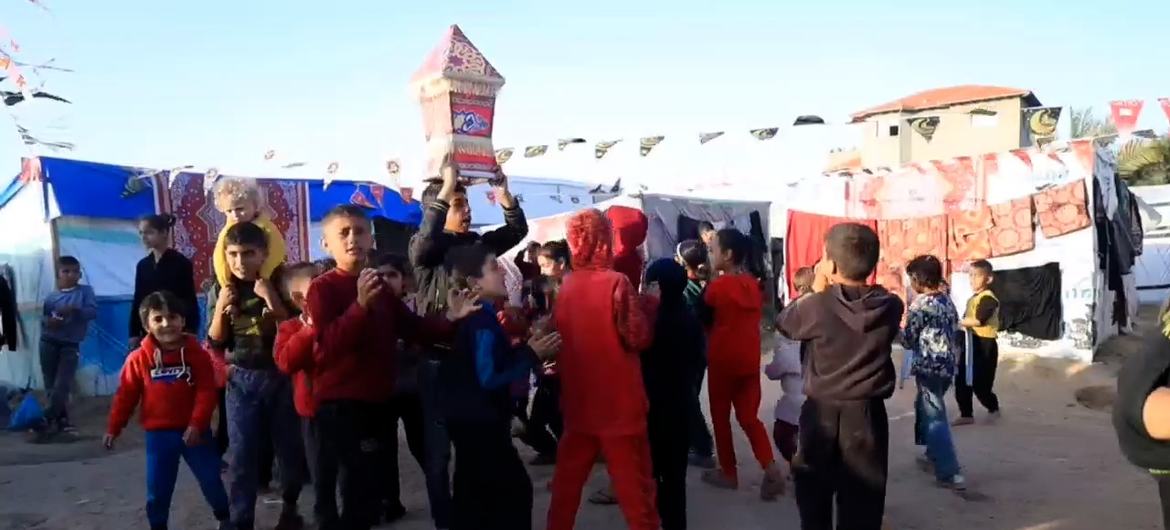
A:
[848,377]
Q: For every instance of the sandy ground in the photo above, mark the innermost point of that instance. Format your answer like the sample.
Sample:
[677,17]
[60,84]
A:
[1049,464]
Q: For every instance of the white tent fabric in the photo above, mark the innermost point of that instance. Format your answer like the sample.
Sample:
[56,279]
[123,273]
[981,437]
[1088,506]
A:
[1152,270]
[25,247]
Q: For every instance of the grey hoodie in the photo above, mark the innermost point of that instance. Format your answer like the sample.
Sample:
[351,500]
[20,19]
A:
[851,329]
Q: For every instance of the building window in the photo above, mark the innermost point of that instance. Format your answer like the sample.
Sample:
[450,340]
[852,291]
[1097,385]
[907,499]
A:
[893,130]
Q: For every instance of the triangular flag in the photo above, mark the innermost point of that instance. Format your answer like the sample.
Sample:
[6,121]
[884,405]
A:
[1165,106]
[30,169]
[504,155]
[330,172]
[293,165]
[407,194]
[603,147]
[563,142]
[1125,115]
[358,198]
[707,137]
[1024,157]
[394,172]
[648,143]
[535,150]
[925,126]
[269,154]
[765,134]
[209,179]
[378,192]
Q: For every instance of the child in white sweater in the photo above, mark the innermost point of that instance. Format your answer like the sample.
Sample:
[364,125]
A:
[785,367]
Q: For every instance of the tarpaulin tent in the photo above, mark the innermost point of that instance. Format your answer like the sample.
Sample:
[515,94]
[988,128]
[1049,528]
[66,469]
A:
[89,210]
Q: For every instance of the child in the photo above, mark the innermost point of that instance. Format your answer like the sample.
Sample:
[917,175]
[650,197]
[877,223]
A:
[405,402]
[65,322]
[358,324]
[243,326]
[239,200]
[692,255]
[1141,416]
[293,354]
[786,368]
[603,396]
[981,320]
[545,425]
[668,366]
[844,432]
[171,374]
[931,327]
[734,355]
[492,489]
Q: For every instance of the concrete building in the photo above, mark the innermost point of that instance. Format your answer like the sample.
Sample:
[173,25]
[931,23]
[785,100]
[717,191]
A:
[943,123]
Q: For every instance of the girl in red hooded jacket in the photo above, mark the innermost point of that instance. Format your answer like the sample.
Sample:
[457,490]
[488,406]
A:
[733,352]
[603,397]
[171,375]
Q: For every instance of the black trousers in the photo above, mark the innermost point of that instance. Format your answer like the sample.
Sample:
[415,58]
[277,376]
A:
[348,435]
[669,447]
[698,432]
[437,442]
[492,488]
[843,455]
[544,425]
[407,408]
[221,429]
[985,360]
[323,473]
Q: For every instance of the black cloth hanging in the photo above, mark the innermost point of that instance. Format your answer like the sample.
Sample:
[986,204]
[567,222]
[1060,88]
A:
[1029,301]
[688,228]
[8,329]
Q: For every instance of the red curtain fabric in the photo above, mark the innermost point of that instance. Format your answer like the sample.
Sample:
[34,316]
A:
[1063,209]
[805,242]
[1013,231]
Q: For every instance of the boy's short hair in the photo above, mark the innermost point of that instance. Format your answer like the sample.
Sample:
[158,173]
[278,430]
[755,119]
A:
[736,242]
[802,280]
[246,235]
[233,189]
[162,302]
[67,261]
[431,193]
[926,271]
[345,210]
[464,263]
[854,249]
[557,250]
[706,226]
[295,271]
[326,264]
[983,266]
[395,261]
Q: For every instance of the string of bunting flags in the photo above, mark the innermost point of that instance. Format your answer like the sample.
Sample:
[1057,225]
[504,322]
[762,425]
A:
[1038,127]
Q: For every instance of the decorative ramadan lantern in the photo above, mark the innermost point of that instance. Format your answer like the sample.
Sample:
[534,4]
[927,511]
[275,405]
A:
[457,87]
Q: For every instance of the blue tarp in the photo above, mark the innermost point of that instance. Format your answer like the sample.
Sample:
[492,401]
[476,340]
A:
[91,189]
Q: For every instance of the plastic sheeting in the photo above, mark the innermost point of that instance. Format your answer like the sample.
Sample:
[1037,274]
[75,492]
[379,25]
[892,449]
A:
[25,246]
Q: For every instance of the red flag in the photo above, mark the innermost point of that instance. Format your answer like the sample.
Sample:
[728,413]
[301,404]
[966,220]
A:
[1125,115]
[1024,157]
[378,192]
[358,198]
[30,169]
[407,194]
[1165,106]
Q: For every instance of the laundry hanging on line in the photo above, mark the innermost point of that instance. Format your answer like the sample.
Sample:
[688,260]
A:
[1029,301]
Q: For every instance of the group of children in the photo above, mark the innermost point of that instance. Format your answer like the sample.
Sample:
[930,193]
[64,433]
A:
[330,361]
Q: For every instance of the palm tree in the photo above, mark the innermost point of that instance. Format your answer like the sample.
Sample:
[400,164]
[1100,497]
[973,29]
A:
[1084,124]
[1142,162]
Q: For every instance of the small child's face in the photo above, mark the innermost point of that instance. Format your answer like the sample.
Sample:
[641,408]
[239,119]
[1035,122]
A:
[165,326]
[393,279]
[68,276]
[980,279]
[348,241]
[550,267]
[245,261]
[242,210]
[298,290]
[491,284]
[152,238]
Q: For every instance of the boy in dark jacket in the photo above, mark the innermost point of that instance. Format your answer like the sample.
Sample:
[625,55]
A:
[1141,415]
[849,375]
[668,367]
[492,488]
[446,224]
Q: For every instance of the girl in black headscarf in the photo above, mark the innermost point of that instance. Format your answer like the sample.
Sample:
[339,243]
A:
[668,366]
[164,269]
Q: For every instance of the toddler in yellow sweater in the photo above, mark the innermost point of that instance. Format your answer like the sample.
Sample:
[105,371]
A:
[239,200]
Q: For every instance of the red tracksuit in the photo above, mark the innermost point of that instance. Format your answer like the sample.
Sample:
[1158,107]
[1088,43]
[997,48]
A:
[165,406]
[733,351]
[603,397]
[293,353]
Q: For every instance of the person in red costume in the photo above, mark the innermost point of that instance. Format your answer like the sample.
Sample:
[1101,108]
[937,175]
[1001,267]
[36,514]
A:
[734,364]
[603,397]
[629,232]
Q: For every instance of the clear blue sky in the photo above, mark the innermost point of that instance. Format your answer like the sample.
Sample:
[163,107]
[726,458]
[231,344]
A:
[218,82]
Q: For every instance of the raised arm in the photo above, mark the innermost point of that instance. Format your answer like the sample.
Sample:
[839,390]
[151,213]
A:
[429,245]
[511,234]
[293,351]
[797,321]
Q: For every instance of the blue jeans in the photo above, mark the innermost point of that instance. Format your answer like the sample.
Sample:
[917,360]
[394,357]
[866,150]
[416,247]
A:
[256,398]
[931,427]
[163,449]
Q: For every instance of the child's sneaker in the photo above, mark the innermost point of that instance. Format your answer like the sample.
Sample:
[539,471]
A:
[716,478]
[955,483]
[959,422]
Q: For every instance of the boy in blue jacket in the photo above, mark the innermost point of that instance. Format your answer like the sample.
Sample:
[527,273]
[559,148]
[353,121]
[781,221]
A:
[65,322]
[492,488]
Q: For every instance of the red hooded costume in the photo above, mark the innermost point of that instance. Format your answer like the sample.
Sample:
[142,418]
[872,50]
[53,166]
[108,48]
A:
[629,232]
[603,397]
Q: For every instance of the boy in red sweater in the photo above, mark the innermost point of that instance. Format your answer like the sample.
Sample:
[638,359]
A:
[603,397]
[733,352]
[357,323]
[293,353]
[171,375]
